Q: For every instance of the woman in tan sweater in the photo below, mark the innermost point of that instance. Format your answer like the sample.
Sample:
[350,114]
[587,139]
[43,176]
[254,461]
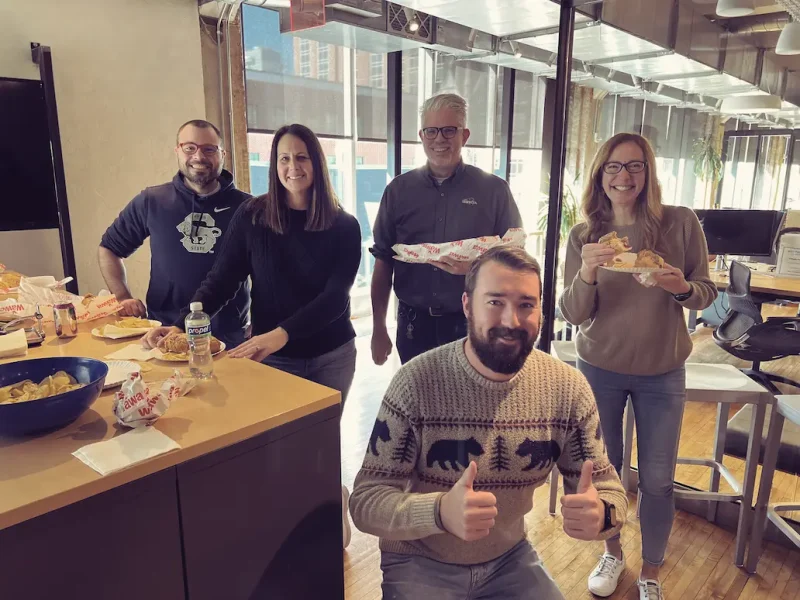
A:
[632,338]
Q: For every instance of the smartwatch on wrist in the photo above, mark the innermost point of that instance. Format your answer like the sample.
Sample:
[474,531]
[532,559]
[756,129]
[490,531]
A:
[610,518]
[684,295]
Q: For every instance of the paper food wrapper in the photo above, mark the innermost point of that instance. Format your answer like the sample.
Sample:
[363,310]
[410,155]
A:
[459,250]
[9,280]
[140,404]
[87,308]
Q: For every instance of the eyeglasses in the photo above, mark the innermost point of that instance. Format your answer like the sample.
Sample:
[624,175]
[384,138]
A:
[190,148]
[634,166]
[448,132]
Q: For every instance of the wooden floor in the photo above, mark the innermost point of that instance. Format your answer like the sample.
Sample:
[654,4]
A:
[699,562]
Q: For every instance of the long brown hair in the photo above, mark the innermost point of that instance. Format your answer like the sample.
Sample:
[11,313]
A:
[596,206]
[271,209]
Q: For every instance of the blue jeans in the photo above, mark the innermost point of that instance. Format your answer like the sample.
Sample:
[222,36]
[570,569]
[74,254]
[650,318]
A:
[516,575]
[334,369]
[658,410]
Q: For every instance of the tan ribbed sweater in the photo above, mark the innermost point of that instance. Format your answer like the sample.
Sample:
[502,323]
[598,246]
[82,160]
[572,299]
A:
[625,327]
[439,414]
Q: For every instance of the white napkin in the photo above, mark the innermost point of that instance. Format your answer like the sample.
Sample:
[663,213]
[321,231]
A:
[14,344]
[116,333]
[132,352]
[125,450]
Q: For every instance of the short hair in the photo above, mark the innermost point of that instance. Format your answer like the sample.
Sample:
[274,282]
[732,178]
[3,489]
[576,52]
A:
[451,101]
[513,257]
[202,124]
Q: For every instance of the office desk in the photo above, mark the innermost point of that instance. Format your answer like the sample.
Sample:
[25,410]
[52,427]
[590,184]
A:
[787,288]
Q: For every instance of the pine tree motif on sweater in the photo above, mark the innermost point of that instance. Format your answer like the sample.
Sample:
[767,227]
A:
[404,452]
[500,461]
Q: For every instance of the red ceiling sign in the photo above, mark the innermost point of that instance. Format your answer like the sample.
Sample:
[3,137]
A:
[305,14]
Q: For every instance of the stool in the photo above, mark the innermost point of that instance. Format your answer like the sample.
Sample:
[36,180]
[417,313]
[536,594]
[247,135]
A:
[724,385]
[786,407]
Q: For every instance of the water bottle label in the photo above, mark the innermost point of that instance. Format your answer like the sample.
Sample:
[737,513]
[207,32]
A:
[198,330]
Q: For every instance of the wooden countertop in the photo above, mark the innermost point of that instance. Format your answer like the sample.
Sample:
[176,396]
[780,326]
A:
[783,287]
[39,474]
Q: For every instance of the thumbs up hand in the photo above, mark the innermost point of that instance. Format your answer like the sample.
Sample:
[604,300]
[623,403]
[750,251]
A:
[465,513]
[583,511]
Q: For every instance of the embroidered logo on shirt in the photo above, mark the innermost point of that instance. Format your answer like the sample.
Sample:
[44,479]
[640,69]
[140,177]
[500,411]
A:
[217,209]
[199,233]
[471,201]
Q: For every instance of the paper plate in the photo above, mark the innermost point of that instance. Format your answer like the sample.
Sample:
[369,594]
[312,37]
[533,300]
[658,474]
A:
[629,259]
[634,269]
[118,371]
[173,357]
[137,332]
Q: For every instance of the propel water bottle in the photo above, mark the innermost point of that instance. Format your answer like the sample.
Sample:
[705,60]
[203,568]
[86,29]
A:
[198,332]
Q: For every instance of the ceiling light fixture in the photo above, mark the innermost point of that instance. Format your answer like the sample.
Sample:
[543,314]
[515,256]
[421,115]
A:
[789,40]
[738,105]
[735,8]
[413,24]
[515,49]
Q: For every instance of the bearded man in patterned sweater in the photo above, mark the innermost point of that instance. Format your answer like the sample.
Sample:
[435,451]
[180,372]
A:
[465,434]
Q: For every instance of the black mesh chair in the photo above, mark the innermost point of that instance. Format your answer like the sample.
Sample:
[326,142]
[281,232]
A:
[746,335]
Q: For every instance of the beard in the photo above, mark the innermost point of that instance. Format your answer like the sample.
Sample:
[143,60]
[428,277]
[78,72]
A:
[495,354]
[201,179]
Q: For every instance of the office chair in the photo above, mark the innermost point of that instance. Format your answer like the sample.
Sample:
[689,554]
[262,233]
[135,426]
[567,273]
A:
[746,335]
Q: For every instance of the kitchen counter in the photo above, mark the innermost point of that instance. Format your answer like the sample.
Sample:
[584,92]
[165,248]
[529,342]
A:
[258,464]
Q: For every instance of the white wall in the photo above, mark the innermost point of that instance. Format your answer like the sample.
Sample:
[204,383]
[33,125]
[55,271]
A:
[127,74]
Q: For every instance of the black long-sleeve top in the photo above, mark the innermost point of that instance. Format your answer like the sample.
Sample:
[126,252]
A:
[301,279]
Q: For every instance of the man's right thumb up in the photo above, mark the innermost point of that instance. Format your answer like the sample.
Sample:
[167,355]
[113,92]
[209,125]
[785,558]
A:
[468,477]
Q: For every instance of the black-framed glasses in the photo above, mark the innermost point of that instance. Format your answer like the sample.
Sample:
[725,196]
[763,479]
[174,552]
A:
[448,132]
[633,166]
[190,148]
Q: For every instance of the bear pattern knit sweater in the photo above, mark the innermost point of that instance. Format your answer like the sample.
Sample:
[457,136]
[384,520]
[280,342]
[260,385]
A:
[439,414]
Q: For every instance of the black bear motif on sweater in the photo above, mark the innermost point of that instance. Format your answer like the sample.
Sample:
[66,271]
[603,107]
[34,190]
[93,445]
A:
[379,432]
[543,454]
[454,452]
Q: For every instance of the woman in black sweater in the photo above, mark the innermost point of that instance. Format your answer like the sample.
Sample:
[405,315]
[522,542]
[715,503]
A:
[302,252]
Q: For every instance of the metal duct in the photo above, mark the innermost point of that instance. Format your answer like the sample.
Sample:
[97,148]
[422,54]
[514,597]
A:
[766,24]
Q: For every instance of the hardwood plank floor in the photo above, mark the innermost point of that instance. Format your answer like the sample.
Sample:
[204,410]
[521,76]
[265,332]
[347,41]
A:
[699,563]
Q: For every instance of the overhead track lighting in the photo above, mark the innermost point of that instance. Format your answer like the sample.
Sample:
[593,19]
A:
[413,24]
[515,49]
[735,8]
[789,40]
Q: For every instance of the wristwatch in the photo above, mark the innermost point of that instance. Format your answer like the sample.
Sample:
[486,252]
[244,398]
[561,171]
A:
[610,518]
[683,296]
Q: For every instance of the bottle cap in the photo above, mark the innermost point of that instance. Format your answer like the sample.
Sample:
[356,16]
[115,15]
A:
[196,306]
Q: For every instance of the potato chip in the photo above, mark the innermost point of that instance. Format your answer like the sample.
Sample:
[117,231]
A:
[26,390]
[134,323]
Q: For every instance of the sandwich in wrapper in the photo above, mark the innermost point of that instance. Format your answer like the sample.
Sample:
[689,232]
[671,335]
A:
[140,404]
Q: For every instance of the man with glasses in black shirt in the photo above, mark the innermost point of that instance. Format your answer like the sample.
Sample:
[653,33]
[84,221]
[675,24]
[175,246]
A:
[185,220]
[443,201]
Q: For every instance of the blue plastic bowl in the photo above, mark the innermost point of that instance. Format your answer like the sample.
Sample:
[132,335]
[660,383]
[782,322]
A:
[33,416]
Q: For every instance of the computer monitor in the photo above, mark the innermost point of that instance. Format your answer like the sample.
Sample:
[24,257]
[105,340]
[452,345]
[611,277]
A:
[740,232]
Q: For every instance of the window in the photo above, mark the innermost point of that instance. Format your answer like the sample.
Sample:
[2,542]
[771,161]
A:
[280,86]
[305,58]
[323,62]
[376,70]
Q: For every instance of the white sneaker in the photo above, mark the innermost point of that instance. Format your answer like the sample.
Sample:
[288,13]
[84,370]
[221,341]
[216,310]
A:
[346,534]
[604,578]
[649,589]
